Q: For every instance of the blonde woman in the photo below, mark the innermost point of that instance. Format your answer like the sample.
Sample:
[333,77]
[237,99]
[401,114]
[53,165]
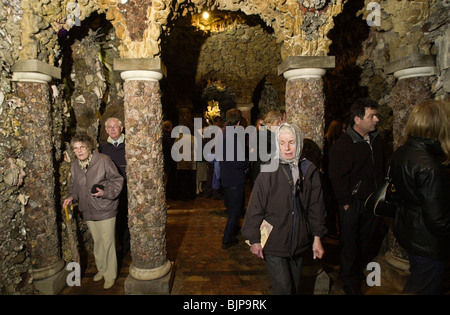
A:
[419,171]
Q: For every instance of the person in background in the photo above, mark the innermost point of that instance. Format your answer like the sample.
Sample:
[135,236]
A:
[259,123]
[233,177]
[213,186]
[202,166]
[217,121]
[356,169]
[114,147]
[291,200]
[186,166]
[420,174]
[272,120]
[99,208]
[170,166]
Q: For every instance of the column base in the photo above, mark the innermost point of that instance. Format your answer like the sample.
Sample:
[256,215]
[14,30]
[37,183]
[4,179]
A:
[393,270]
[52,285]
[161,286]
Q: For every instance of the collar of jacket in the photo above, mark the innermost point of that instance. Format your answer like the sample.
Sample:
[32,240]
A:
[428,144]
[119,141]
[94,160]
[356,137]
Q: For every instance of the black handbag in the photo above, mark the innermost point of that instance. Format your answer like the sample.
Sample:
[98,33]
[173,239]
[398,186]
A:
[383,201]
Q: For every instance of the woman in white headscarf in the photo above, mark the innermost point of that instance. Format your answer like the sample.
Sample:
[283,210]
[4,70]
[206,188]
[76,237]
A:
[289,197]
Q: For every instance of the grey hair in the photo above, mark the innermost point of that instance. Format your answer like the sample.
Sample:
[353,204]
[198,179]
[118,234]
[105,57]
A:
[84,139]
[111,118]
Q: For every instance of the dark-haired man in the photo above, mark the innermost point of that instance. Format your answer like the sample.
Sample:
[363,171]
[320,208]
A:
[356,168]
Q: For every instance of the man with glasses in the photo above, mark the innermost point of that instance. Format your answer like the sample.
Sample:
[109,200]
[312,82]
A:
[114,147]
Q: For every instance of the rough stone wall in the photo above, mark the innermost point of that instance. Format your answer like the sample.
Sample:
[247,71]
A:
[42,21]
[89,84]
[14,257]
[301,26]
[240,58]
[436,30]
[407,28]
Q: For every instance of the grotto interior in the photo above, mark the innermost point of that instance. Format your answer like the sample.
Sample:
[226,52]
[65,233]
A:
[69,65]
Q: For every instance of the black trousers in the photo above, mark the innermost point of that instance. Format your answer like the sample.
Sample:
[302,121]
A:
[234,201]
[284,274]
[427,276]
[358,245]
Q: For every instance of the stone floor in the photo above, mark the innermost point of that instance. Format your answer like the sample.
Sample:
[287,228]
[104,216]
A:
[202,267]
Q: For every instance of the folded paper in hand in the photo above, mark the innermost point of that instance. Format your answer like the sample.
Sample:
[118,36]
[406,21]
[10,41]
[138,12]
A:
[265,229]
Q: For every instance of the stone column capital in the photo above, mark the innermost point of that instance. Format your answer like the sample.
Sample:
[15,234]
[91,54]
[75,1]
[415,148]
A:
[294,67]
[34,71]
[304,73]
[415,72]
[140,69]
[412,66]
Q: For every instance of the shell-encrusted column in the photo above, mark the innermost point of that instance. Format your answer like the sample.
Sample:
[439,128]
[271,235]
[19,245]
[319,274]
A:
[305,98]
[34,117]
[150,270]
[413,86]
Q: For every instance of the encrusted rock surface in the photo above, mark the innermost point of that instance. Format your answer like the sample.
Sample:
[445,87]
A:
[406,94]
[39,185]
[305,106]
[146,197]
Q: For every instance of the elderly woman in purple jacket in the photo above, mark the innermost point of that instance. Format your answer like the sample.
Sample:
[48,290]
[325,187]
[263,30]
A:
[98,204]
[290,199]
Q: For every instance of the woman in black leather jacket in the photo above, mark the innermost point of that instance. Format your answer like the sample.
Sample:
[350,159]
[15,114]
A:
[420,173]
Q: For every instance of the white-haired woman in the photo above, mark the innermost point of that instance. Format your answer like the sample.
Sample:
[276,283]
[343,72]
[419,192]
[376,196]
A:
[290,199]
[98,204]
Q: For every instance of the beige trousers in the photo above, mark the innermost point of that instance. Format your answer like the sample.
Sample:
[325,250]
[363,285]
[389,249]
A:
[103,233]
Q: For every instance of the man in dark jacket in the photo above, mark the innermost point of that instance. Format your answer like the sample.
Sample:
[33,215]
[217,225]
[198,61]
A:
[233,175]
[356,168]
[114,147]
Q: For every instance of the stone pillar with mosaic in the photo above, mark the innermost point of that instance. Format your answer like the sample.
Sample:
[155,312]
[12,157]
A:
[150,271]
[34,119]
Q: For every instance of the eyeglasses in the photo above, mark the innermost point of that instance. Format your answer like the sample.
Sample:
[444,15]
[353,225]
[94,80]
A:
[113,127]
[81,148]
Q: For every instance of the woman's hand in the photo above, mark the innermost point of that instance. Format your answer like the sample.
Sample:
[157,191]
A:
[257,250]
[67,202]
[99,193]
[317,248]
